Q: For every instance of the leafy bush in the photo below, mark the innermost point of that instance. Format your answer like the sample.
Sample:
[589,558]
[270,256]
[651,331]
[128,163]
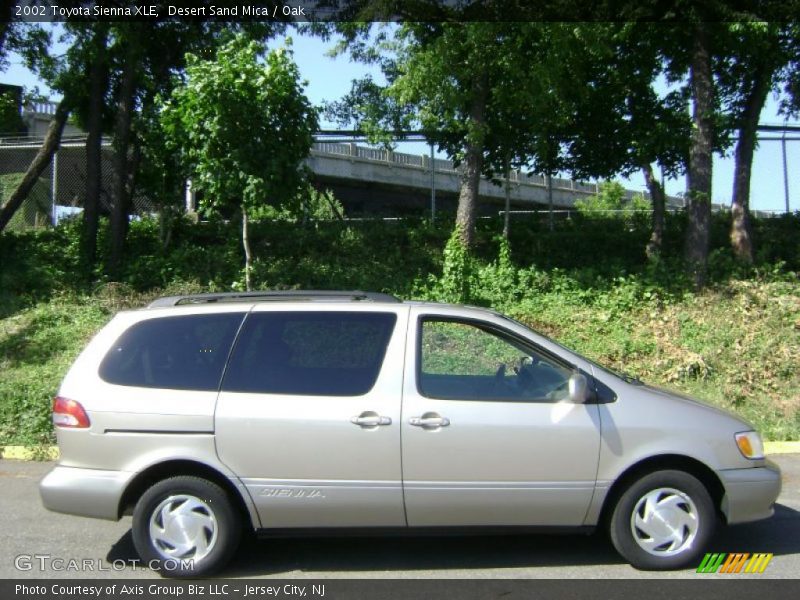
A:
[612,199]
[310,203]
[11,122]
[457,271]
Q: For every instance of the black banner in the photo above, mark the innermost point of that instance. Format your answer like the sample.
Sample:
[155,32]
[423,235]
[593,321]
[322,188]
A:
[387,589]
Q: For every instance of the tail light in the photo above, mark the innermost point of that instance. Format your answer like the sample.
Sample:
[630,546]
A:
[69,413]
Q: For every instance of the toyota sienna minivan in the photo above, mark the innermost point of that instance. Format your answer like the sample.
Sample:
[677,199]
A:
[206,416]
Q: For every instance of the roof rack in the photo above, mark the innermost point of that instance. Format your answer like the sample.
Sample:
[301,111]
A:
[272,295]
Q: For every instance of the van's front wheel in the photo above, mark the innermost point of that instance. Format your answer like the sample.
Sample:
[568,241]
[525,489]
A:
[663,521]
[185,527]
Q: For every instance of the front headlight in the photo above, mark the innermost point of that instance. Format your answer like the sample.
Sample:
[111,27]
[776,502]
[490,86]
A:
[750,444]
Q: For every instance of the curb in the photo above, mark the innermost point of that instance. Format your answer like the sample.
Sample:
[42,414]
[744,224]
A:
[29,452]
[781,447]
[51,452]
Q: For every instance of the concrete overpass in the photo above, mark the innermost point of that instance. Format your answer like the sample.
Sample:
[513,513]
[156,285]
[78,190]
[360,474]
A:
[378,180]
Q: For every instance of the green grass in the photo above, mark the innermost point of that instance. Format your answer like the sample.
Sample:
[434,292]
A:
[37,346]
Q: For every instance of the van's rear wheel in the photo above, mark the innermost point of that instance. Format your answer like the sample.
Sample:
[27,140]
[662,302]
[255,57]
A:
[186,527]
[663,521]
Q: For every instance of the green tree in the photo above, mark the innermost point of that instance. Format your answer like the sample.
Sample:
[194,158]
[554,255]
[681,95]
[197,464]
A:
[148,62]
[759,58]
[727,55]
[245,128]
[587,102]
[367,108]
[85,74]
[110,77]
[487,110]
[649,128]
[725,67]
[622,124]
[29,40]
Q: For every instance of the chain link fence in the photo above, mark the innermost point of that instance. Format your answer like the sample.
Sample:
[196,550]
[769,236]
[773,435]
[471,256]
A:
[61,188]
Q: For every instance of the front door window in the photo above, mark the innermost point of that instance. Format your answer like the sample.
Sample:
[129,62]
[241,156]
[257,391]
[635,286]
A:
[466,361]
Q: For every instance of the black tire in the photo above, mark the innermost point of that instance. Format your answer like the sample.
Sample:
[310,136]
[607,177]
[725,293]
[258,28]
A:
[680,496]
[192,505]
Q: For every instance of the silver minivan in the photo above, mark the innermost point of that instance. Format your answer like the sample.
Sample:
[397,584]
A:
[208,415]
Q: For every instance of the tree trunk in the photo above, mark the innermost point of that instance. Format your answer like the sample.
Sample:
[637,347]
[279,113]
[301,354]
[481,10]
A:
[551,225]
[165,227]
[659,199]
[741,233]
[473,164]
[40,162]
[468,195]
[130,186]
[248,255]
[122,135]
[98,78]
[700,156]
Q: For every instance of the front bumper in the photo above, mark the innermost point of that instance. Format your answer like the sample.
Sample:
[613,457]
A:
[750,494]
[84,492]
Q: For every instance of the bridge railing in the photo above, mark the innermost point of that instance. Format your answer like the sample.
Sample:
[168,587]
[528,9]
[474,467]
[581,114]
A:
[423,161]
[357,152]
[41,108]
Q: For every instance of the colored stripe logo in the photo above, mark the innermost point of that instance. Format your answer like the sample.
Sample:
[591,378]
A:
[735,562]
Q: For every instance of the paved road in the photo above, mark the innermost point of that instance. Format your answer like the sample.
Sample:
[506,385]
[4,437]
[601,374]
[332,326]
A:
[27,529]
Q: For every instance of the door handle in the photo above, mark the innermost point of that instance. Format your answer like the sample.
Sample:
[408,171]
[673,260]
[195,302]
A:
[370,419]
[429,421]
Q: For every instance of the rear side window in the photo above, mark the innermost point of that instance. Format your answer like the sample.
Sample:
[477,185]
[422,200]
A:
[179,353]
[309,353]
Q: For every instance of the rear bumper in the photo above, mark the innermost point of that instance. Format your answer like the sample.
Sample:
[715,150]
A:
[84,492]
[750,494]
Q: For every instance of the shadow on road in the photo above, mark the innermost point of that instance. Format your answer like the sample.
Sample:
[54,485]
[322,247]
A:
[779,535]
[386,554]
[419,553]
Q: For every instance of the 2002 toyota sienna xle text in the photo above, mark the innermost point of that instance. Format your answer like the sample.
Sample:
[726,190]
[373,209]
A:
[205,415]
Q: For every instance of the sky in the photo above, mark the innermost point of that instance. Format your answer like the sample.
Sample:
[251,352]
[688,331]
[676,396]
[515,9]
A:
[329,79]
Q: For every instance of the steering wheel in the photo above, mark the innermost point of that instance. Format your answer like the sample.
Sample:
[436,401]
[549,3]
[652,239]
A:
[524,375]
[500,381]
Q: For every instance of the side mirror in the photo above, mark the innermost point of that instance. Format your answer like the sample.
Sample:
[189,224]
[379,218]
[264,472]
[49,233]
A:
[578,388]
